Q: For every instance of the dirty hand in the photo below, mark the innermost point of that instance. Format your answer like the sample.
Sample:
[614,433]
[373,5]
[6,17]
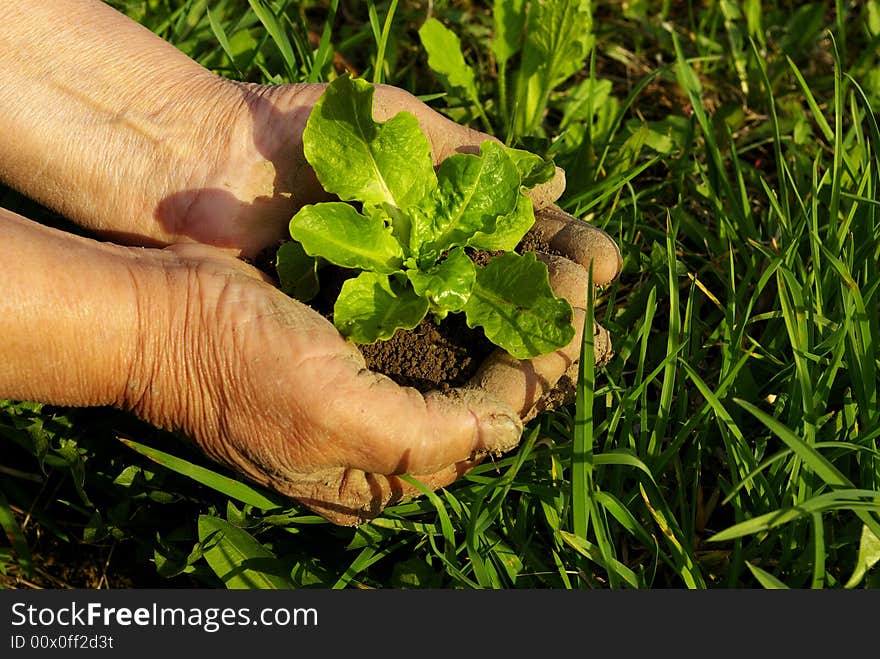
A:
[276,115]
[531,386]
[339,435]
[273,390]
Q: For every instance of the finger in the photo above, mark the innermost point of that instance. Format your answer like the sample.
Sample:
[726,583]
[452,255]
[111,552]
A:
[544,194]
[522,383]
[398,429]
[349,497]
[579,241]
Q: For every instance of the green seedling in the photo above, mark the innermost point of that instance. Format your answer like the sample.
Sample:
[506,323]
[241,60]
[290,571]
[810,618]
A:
[408,228]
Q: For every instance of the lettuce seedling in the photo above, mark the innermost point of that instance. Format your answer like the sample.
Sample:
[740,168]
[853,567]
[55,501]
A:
[407,232]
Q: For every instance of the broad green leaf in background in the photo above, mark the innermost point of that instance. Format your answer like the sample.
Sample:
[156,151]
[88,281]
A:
[472,192]
[337,232]
[357,158]
[447,285]
[513,302]
[238,559]
[297,271]
[558,39]
[509,19]
[509,22]
[371,307]
[446,59]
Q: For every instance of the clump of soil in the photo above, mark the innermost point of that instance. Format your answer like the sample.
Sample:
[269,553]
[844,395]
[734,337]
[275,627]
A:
[431,356]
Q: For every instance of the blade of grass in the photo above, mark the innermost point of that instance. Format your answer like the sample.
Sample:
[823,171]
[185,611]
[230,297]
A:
[683,558]
[811,102]
[223,484]
[222,38]
[814,460]
[382,44]
[324,52]
[869,555]
[445,523]
[843,499]
[589,550]
[278,34]
[673,338]
[583,488]
[237,558]
[765,578]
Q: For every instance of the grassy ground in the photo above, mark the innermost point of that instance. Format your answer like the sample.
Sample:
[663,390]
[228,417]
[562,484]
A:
[731,150]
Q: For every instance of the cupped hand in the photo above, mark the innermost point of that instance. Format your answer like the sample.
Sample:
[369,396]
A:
[267,386]
[267,178]
[295,408]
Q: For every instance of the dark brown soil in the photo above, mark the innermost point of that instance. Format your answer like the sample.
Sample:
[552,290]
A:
[431,356]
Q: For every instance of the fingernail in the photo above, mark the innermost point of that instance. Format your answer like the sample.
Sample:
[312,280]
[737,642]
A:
[499,432]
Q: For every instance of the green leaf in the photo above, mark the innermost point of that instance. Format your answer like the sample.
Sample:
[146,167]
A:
[473,191]
[220,34]
[371,307]
[765,578]
[446,59]
[16,537]
[509,19]
[869,555]
[278,31]
[413,573]
[513,302]
[558,40]
[447,286]
[337,232]
[509,229]
[297,271]
[811,457]
[589,550]
[859,501]
[357,158]
[237,558]
[533,169]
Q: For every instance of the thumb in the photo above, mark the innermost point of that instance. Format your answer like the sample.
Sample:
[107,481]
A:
[398,429]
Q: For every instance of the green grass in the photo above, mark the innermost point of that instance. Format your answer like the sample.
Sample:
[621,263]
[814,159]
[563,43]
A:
[733,152]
